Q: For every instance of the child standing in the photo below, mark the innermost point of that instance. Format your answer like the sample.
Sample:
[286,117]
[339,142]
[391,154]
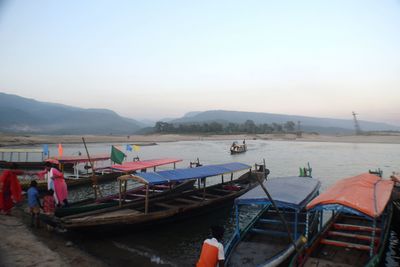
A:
[34,203]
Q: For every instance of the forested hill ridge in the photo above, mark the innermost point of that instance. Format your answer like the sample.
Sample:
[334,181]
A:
[311,124]
[25,115]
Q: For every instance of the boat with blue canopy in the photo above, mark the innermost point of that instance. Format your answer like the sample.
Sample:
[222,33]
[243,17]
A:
[357,232]
[265,240]
[175,206]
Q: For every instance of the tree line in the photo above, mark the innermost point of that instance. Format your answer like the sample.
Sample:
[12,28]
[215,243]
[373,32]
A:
[225,128]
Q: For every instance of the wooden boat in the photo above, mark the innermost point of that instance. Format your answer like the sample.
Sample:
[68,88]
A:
[358,230]
[395,177]
[238,148]
[23,157]
[265,241]
[176,206]
[102,174]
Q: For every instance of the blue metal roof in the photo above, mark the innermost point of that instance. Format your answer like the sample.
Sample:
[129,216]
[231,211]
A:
[292,192]
[190,173]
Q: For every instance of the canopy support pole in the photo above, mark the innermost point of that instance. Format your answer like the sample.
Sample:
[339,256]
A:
[146,205]
[120,193]
[204,189]
[371,246]
[222,178]
[307,222]
[231,176]
[277,210]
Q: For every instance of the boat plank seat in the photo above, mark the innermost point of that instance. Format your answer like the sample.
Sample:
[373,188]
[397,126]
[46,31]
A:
[316,262]
[186,200]
[344,244]
[269,232]
[223,190]
[136,195]
[211,195]
[165,205]
[352,227]
[200,198]
[356,236]
[269,221]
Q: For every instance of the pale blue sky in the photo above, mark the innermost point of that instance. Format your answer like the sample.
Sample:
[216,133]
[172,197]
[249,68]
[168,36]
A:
[155,59]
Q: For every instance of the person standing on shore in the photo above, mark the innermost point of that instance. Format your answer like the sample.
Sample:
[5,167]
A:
[212,251]
[10,189]
[34,203]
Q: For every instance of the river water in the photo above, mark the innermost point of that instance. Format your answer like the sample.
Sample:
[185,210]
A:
[179,243]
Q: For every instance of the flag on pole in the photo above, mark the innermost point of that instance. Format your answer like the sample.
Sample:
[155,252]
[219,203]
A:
[117,155]
[45,149]
[136,148]
[60,150]
[128,147]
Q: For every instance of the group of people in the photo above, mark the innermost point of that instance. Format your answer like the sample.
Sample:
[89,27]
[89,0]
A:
[11,192]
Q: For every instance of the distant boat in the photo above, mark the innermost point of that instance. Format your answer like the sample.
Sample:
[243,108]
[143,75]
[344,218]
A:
[238,148]
[357,233]
[265,240]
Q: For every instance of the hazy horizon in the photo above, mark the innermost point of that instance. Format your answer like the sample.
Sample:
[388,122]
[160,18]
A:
[153,60]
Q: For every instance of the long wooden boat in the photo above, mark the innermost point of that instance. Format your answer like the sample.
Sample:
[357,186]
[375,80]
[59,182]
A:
[104,174]
[237,148]
[25,158]
[177,206]
[358,230]
[265,241]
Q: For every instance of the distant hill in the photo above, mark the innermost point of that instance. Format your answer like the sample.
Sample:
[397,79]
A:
[25,115]
[311,124]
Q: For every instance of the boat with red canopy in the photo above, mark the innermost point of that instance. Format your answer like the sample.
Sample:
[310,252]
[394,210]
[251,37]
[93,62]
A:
[358,230]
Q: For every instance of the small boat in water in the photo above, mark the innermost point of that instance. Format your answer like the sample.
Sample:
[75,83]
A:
[238,148]
[265,240]
[175,206]
[358,230]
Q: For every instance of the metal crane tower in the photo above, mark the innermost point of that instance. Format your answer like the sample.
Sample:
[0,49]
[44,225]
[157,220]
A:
[356,124]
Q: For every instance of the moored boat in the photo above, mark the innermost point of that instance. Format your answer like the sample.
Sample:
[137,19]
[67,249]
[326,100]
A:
[176,206]
[358,230]
[102,174]
[265,240]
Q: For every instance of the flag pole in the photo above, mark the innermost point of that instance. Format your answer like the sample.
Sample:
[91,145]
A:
[94,177]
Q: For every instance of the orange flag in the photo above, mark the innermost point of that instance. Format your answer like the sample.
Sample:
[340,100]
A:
[60,150]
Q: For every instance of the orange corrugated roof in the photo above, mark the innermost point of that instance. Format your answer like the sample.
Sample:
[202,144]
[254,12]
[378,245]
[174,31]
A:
[366,193]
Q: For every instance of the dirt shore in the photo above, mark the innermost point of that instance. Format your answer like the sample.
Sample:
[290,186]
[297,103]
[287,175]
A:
[22,246]
[19,140]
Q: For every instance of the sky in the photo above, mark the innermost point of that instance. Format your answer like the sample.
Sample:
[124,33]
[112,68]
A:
[161,59]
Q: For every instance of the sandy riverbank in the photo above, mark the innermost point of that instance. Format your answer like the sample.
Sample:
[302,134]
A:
[22,246]
[17,140]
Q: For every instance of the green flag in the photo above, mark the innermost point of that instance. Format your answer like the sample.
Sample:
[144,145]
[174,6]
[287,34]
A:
[116,155]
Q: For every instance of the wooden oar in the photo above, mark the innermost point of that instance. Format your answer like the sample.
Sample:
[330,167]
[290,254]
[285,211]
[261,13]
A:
[276,208]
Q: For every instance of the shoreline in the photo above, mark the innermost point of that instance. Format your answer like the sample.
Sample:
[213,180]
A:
[24,246]
[153,139]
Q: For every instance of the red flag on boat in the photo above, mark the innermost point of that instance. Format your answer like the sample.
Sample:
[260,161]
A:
[60,150]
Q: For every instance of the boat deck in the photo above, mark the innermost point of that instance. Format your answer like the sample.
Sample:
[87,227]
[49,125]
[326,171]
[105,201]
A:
[266,238]
[344,245]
